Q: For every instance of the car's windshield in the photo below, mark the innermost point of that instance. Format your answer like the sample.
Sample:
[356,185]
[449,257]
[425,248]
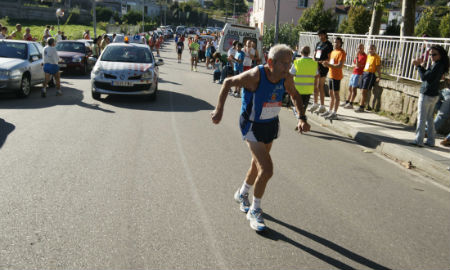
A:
[70,47]
[13,50]
[127,54]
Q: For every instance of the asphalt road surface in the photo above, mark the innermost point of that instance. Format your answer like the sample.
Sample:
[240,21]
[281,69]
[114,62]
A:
[125,183]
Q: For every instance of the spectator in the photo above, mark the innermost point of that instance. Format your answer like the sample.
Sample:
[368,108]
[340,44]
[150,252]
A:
[105,41]
[443,115]
[322,53]
[373,64]
[58,37]
[27,36]
[230,60]
[47,31]
[52,31]
[158,44]
[355,79]
[63,36]
[337,61]
[304,71]
[46,35]
[208,54]
[249,55]
[220,64]
[4,33]
[96,48]
[86,34]
[17,35]
[429,93]
[238,66]
[51,67]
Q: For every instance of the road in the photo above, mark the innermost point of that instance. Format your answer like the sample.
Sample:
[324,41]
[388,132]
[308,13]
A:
[125,183]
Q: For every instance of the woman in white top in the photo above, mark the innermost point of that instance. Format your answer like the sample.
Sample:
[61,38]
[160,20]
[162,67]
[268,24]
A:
[51,67]
[249,55]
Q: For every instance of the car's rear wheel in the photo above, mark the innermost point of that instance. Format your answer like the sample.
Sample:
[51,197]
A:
[25,86]
[96,96]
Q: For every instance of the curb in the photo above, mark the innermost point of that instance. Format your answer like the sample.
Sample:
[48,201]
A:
[436,170]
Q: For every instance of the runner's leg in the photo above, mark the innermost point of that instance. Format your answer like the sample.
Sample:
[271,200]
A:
[260,153]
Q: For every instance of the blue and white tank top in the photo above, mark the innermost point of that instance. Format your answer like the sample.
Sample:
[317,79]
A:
[264,104]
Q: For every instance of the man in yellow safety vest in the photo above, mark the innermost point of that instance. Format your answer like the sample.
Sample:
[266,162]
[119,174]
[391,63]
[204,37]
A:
[304,72]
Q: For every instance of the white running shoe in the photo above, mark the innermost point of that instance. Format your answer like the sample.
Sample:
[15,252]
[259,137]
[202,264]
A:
[313,108]
[344,103]
[322,109]
[348,106]
[325,114]
[332,116]
[244,203]
[256,219]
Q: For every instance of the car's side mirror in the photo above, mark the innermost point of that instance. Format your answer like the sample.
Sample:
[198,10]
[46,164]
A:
[34,58]
[160,62]
[92,60]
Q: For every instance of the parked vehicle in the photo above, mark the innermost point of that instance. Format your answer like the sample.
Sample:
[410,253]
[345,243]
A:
[73,55]
[126,69]
[180,30]
[21,66]
[242,33]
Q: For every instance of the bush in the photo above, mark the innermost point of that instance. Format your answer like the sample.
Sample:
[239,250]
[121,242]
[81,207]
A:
[393,29]
[132,17]
[103,14]
[315,18]
[287,34]
[358,20]
[444,27]
[428,24]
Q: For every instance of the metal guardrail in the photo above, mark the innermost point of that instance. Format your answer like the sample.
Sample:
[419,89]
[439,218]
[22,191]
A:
[396,53]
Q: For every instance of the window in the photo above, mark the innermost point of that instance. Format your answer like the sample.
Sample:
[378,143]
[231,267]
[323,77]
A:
[302,3]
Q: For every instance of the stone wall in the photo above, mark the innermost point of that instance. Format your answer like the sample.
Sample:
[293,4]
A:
[37,13]
[393,97]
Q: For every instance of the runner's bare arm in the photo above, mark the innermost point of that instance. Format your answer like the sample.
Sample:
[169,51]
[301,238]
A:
[248,80]
[302,125]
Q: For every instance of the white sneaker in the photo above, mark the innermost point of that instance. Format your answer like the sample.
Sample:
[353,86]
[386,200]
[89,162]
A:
[313,108]
[332,116]
[322,109]
[244,203]
[256,219]
[344,103]
[325,114]
[348,106]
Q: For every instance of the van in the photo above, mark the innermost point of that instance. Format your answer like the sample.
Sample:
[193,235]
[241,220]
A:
[242,33]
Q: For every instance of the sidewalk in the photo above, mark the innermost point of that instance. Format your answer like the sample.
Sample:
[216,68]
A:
[390,138]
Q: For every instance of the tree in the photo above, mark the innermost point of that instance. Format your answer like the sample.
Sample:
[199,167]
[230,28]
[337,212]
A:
[377,7]
[428,24]
[132,17]
[315,18]
[358,21]
[444,27]
[393,29]
[103,14]
[287,35]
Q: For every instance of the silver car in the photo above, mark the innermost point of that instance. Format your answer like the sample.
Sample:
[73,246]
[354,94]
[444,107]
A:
[126,69]
[21,66]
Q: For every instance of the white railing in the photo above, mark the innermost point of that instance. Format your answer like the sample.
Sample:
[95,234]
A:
[396,53]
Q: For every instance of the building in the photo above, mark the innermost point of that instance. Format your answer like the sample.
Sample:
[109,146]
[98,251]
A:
[341,12]
[151,7]
[290,11]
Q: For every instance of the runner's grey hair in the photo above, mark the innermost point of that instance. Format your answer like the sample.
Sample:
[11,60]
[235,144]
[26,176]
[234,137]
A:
[279,50]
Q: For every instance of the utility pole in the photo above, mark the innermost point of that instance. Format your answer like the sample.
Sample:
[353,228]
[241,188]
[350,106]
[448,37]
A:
[277,18]
[143,14]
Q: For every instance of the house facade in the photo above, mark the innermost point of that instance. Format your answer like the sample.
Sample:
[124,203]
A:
[264,11]
[150,7]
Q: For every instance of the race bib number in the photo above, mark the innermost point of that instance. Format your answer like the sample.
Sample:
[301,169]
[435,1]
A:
[318,54]
[179,47]
[270,110]
[194,53]
[367,65]
[332,61]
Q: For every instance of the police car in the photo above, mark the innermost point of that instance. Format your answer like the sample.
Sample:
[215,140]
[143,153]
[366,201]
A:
[126,69]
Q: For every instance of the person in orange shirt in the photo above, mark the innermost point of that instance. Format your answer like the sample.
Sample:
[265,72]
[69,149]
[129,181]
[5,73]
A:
[335,64]
[373,64]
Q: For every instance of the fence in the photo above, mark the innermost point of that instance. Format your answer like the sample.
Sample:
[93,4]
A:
[396,53]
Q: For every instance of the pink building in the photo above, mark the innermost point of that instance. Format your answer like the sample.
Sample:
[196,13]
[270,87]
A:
[290,11]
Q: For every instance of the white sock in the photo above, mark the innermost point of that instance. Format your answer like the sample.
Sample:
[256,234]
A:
[244,189]
[256,203]
[334,112]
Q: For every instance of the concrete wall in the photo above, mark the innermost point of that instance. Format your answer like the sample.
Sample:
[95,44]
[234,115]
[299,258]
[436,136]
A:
[390,96]
[37,13]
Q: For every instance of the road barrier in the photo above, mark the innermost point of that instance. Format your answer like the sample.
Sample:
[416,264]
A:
[396,53]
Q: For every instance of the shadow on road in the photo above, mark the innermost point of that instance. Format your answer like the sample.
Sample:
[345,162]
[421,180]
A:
[276,236]
[166,101]
[5,129]
[71,96]
[328,136]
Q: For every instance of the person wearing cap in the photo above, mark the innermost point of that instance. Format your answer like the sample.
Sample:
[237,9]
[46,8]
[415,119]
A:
[17,35]
[321,53]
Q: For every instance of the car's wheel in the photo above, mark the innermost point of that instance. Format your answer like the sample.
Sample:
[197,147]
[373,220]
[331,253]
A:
[25,86]
[95,95]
